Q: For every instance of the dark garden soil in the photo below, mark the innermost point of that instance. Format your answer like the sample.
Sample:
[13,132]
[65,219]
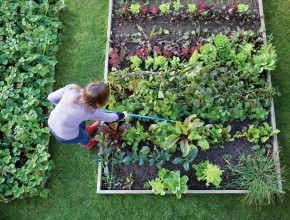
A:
[215,155]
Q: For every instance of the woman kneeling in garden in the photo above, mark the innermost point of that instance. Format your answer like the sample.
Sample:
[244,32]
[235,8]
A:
[73,106]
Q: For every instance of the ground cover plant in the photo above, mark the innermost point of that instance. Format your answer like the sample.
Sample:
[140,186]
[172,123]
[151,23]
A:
[28,44]
[212,83]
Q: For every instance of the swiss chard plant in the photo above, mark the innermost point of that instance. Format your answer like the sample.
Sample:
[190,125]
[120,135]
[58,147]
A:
[188,135]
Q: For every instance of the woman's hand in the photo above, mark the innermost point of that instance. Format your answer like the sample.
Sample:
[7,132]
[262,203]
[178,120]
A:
[127,115]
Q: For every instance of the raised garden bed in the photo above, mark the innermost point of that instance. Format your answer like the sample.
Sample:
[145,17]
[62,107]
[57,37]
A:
[204,65]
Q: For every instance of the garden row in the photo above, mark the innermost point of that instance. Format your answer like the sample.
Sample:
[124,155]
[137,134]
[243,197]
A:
[214,86]
[28,44]
[168,35]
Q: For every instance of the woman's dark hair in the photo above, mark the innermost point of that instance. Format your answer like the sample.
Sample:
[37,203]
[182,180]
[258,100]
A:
[95,95]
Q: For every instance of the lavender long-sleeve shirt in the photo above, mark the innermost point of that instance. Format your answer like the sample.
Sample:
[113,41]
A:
[67,115]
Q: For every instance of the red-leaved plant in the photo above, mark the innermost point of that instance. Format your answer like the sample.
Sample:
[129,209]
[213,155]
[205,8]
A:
[111,134]
[154,10]
[144,11]
[157,49]
[167,53]
[124,9]
[201,6]
[233,7]
[143,53]
[115,60]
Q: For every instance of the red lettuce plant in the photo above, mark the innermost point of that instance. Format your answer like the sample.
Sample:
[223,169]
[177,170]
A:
[201,6]
[154,10]
[185,53]
[157,49]
[124,9]
[143,53]
[167,53]
[115,60]
[233,7]
[144,11]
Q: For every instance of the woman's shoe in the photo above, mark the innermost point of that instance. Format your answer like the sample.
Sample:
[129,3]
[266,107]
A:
[92,128]
[93,142]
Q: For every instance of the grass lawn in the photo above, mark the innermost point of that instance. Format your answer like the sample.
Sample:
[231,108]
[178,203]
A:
[72,184]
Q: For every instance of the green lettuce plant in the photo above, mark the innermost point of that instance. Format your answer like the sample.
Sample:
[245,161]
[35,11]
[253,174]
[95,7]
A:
[159,62]
[242,8]
[134,8]
[209,173]
[164,8]
[177,5]
[192,8]
[168,180]
[136,62]
[148,62]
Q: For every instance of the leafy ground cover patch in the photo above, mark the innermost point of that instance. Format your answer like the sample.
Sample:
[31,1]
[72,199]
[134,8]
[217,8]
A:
[28,44]
[213,84]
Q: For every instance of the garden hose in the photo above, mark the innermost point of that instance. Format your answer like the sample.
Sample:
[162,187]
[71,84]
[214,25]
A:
[143,116]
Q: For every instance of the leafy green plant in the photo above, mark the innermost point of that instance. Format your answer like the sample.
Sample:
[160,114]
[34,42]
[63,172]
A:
[159,62]
[177,5]
[242,8]
[134,8]
[135,135]
[158,158]
[136,62]
[28,45]
[103,158]
[175,183]
[257,174]
[219,134]
[258,134]
[171,181]
[148,62]
[164,8]
[208,172]
[184,133]
[142,156]
[175,62]
[192,8]
[157,185]
[186,160]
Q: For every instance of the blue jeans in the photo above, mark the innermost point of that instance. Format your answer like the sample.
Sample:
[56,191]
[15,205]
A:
[83,138]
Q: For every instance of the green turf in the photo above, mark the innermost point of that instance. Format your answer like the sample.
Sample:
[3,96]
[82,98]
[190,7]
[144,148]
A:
[73,184]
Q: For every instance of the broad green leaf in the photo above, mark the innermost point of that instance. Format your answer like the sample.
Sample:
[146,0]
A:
[184,147]
[203,144]
[188,120]
[170,142]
